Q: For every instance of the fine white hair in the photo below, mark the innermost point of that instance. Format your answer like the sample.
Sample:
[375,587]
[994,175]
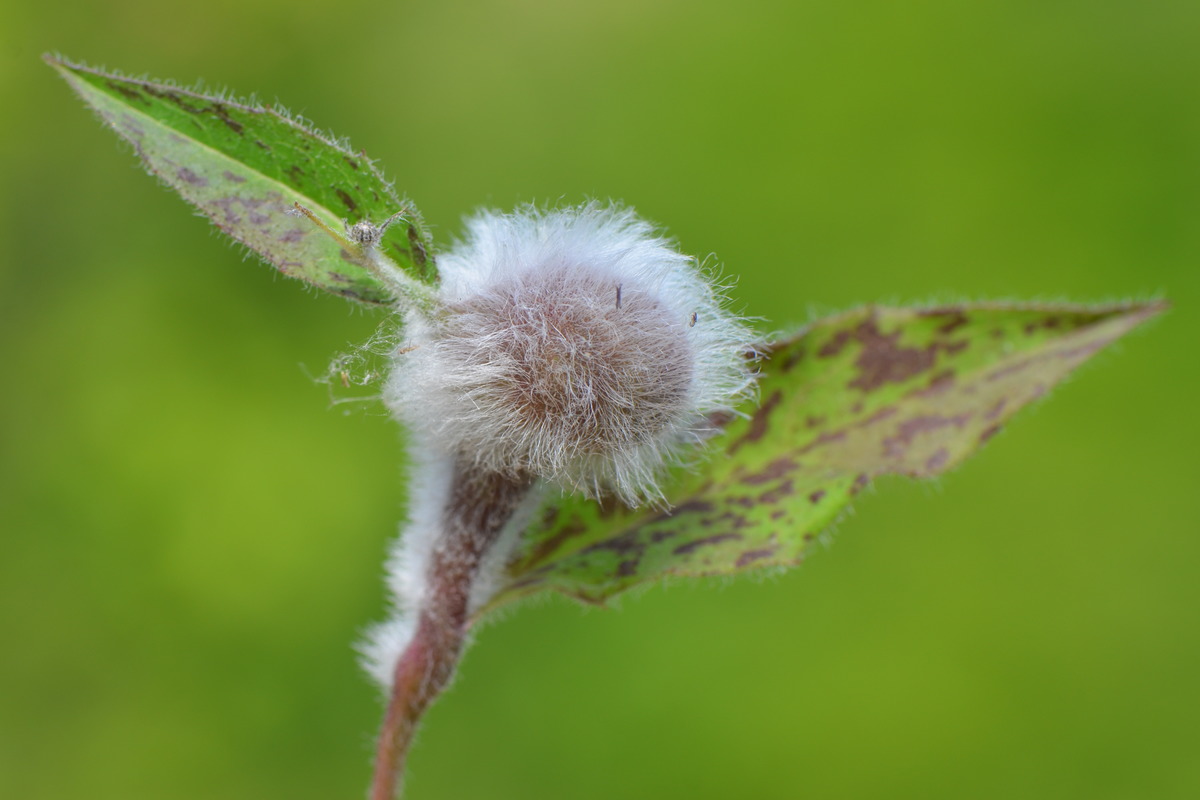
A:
[575,345]
[431,477]
[572,348]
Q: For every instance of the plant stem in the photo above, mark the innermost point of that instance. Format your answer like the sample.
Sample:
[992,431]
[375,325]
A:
[476,511]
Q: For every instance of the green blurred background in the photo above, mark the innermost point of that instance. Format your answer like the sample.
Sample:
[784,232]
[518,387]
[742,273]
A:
[192,536]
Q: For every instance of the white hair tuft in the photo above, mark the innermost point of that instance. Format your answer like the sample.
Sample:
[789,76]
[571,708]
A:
[575,345]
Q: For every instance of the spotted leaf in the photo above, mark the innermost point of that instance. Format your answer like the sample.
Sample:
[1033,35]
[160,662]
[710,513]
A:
[244,166]
[870,392]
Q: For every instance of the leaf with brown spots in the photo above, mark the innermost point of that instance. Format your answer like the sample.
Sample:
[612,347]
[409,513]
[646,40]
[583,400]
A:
[245,165]
[870,392]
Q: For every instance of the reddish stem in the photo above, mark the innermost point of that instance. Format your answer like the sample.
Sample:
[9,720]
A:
[478,507]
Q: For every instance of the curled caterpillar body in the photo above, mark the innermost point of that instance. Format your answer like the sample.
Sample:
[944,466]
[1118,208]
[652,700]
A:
[566,347]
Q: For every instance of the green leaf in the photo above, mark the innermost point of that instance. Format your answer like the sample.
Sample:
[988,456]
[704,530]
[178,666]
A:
[870,392]
[244,166]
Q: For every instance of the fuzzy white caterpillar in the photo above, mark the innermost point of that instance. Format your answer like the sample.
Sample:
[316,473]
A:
[573,348]
[576,346]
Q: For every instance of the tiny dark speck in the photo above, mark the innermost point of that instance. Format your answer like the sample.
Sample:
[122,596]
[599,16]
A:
[690,506]
[130,94]
[419,256]
[223,114]
[348,200]
[759,422]
[693,546]
[750,556]
[188,176]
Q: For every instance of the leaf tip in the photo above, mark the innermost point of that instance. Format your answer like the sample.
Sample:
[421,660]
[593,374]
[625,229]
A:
[56,62]
[68,70]
[1140,311]
[60,63]
[1153,307]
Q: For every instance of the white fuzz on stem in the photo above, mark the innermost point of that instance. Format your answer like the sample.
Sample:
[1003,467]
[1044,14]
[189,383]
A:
[433,492]
[474,514]
[573,349]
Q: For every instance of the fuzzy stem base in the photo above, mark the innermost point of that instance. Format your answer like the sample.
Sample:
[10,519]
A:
[479,506]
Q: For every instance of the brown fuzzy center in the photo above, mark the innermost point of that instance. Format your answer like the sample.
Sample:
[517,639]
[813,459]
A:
[582,359]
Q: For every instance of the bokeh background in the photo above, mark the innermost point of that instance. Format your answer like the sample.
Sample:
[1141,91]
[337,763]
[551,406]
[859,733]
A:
[192,536]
